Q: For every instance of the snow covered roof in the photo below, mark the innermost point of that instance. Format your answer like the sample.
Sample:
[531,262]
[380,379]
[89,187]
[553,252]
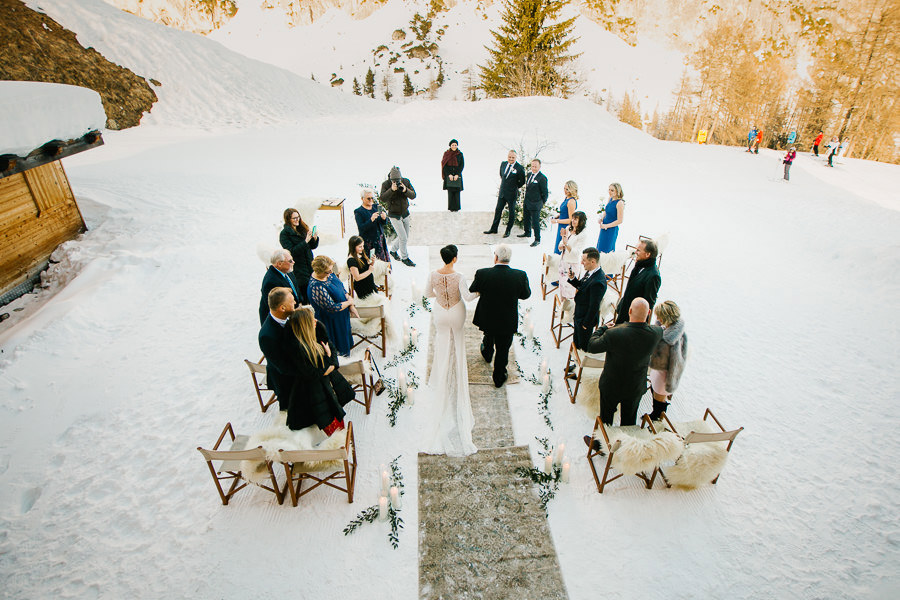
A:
[33,113]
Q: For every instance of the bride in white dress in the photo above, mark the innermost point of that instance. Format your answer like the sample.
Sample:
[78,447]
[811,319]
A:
[449,380]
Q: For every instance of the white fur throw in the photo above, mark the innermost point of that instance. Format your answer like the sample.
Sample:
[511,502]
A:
[701,462]
[640,450]
[612,262]
[552,265]
[372,327]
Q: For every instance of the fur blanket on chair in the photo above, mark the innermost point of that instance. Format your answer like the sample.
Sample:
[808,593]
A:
[370,327]
[700,463]
[639,450]
[612,262]
[588,393]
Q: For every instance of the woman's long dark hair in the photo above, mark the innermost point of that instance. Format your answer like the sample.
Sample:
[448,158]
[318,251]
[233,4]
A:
[302,228]
[351,249]
[582,221]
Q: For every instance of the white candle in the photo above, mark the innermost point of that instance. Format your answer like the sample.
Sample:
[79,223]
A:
[405,325]
[395,498]
[565,471]
[405,340]
[558,458]
[544,366]
[410,398]
[414,336]
[382,508]
[385,480]
[548,463]
[401,380]
[416,295]
[530,330]
[545,386]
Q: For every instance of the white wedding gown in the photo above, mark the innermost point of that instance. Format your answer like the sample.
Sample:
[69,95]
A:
[449,380]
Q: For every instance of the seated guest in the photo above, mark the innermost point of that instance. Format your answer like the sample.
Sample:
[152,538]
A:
[333,308]
[362,268]
[370,218]
[667,362]
[628,348]
[298,239]
[273,341]
[320,391]
[572,241]
[278,275]
[590,290]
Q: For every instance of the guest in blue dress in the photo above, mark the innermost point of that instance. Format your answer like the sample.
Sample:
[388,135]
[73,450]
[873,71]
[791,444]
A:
[566,210]
[612,217]
[329,299]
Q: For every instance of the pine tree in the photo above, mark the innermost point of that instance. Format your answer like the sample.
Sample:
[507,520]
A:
[369,85]
[408,89]
[356,90]
[530,54]
[440,75]
[386,86]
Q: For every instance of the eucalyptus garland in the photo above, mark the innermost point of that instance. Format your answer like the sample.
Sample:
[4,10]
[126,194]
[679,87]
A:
[543,398]
[404,356]
[548,483]
[415,306]
[398,396]
[368,515]
[535,343]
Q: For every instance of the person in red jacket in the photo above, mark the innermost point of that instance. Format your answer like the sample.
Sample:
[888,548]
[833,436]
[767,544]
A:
[788,159]
[816,143]
[758,140]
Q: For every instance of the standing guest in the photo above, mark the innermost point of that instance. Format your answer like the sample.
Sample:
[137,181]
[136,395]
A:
[643,282]
[628,348]
[320,392]
[613,215]
[788,160]
[574,239]
[329,299]
[566,210]
[273,342]
[370,218]
[536,195]
[751,137]
[278,275]
[452,164]
[816,143]
[757,141]
[512,177]
[833,146]
[396,192]
[591,287]
[362,268]
[667,361]
[298,239]
[497,312]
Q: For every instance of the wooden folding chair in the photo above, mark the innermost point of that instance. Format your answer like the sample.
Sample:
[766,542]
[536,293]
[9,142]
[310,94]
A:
[556,321]
[338,463]
[261,383]
[230,467]
[355,374]
[370,312]
[384,287]
[546,277]
[611,450]
[582,360]
[695,437]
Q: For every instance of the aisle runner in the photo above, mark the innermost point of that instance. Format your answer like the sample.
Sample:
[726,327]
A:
[482,533]
[460,228]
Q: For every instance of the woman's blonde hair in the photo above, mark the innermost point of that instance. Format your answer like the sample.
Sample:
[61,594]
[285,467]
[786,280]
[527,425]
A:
[620,195]
[573,188]
[667,312]
[303,324]
[320,264]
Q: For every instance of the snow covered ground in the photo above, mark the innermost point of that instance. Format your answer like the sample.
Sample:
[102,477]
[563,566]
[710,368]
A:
[109,383]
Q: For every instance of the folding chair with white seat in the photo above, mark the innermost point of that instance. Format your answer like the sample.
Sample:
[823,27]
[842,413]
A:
[631,450]
[322,466]
[705,452]
[261,383]
[581,360]
[549,266]
[363,329]
[561,318]
[230,467]
[360,380]
[384,287]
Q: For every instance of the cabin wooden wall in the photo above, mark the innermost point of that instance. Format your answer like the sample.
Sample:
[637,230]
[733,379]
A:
[37,213]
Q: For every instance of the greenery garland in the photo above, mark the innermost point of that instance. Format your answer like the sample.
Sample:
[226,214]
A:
[398,396]
[548,483]
[543,398]
[404,356]
[369,514]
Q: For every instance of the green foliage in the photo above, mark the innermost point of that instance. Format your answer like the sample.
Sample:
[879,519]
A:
[440,76]
[369,84]
[356,89]
[408,89]
[421,26]
[367,515]
[530,53]
[386,86]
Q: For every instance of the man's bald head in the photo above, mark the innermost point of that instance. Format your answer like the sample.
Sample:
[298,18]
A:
[639,311]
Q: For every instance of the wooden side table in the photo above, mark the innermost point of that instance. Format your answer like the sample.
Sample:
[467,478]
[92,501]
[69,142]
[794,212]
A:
[335,204]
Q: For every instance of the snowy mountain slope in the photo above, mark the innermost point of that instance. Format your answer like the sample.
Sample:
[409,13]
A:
[203,84]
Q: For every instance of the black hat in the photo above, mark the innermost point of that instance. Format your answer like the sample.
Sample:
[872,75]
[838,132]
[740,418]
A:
[453,142]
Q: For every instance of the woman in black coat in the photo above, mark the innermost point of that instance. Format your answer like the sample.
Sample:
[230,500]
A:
[320,392]
[297,238]
[452,164]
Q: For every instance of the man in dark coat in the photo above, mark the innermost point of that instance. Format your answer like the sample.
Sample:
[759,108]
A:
[278,275]
[512,176]
[643,282]
[497,312]
[590,290]
[396,192]
[273,341]
[628,349]
[536,195]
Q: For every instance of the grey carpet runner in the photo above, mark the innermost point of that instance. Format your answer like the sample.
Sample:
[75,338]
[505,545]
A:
[460,228]
[482,532]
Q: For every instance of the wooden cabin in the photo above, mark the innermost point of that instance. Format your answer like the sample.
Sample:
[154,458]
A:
[38,211]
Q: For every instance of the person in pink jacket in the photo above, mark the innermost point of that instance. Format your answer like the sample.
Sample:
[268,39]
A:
[788,159]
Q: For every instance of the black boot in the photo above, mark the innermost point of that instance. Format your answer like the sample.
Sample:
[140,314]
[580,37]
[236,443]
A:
[659,408]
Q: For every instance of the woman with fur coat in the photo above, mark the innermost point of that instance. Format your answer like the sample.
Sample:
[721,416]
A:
[667,361]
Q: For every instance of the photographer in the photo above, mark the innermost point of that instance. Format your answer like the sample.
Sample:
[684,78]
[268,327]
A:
[396,193]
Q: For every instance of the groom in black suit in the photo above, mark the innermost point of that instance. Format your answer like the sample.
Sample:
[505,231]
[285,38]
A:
[512,176]
[497,312]
[536,195]
[590,290]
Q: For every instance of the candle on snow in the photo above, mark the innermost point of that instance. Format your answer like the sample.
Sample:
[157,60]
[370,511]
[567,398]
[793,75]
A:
[395,498]
[560,450]
[414,336]
[410,398]
[548,463]
[544,366]
[545,385]
[385,480]
[416,295]
[405,339]
[565,471]
[401,380]
[382,508]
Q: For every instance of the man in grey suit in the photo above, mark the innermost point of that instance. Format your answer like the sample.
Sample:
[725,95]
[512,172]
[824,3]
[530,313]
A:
[512,176]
